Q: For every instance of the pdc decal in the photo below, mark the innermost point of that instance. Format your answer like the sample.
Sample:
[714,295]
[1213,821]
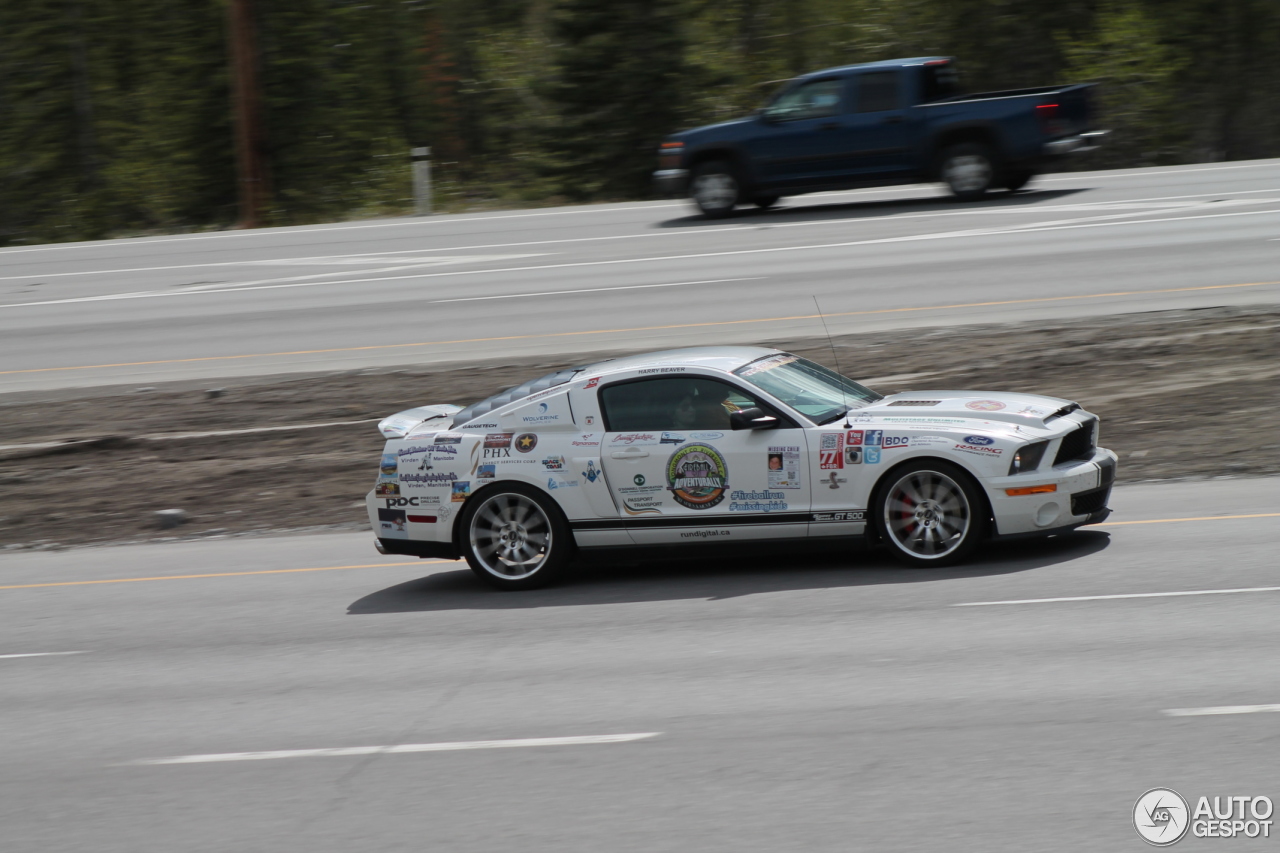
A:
[697,476]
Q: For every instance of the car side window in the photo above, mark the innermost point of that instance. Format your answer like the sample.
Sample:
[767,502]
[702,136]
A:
[810,100]
[878,91]
[667,403]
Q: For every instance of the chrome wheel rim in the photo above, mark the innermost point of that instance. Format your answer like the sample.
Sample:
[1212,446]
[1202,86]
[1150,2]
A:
[510,536]
[968,172]
[715,191]
[927,514]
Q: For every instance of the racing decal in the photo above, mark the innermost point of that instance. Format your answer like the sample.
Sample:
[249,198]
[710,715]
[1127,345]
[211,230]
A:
[557,481]
[984,405]
[543,414]
[853,456]
[705,436]
[461,491]
[697,476]
[832,481]
[853,438]
[757,501]
[428,479]
[386,490]
[634,438]
[444,511]
[871,455]
[831,451]
[784,467]
[390,464]
[903,420]
[929,441]
[842,515]
[592,382]
[400,503]
[662,370]
[487,472]
[673,438]
[392,524]
[497,440]
[592,473]
[979,440]
[873,437]
[586,439]
[444,452]
[892,441]
[642,506]
[981,451]
[639,486]
[412,450]
[526,442]
[553,463]
[766,364]
[591,419]
[447,438]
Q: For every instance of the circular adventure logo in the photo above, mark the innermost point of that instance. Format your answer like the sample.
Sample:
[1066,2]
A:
[697,476]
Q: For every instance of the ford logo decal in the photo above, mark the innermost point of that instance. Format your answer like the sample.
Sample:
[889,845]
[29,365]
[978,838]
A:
[979,440]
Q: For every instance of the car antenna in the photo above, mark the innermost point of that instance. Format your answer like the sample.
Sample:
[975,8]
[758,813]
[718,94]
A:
[844,392]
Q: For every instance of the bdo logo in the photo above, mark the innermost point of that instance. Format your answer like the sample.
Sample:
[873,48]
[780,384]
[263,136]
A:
[1161,816]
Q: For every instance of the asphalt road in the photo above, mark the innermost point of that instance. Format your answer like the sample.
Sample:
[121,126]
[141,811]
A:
[524,284]
[816,705]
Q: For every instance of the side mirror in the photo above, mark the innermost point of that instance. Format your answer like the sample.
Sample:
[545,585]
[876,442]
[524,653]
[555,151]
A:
[753,418]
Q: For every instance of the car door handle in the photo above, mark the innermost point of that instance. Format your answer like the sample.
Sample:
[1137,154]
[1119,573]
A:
[629,453]
[893,119]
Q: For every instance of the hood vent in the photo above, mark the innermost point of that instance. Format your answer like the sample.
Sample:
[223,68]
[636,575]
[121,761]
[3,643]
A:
[915,402]
[1065,410]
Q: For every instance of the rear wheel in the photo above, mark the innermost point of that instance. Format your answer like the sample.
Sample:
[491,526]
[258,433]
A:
[930,513]
[715,189]
[969,169]
[515,538]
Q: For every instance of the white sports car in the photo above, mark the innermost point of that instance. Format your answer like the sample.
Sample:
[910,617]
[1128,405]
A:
[725,447]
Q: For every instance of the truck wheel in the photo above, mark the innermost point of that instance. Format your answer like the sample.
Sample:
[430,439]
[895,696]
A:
[513,537]
[764,202]
[715,189]
[969,169]
[1016,179]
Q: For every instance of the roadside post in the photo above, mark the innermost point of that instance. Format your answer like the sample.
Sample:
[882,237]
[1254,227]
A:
[421,158]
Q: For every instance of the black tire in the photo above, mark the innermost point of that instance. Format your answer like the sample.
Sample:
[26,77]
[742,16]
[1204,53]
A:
[930,513]
[715,189]
[764,202]
[969,169]
[1016,179]
[515,537]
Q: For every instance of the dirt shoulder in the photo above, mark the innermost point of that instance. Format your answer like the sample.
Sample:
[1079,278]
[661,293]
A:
[1181,394]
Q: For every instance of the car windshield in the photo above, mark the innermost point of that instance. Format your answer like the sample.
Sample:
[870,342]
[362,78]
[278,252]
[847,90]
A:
[817,393]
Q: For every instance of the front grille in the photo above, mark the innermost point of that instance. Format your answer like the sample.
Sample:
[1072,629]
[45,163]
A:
[1087,503]
[1077,444]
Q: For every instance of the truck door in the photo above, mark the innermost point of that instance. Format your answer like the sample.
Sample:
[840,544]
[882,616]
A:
[801,138]
[879,125]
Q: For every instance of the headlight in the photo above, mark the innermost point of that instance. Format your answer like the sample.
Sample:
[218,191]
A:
[1028,458]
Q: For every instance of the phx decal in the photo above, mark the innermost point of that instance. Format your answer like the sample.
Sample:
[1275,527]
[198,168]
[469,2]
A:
[697,476]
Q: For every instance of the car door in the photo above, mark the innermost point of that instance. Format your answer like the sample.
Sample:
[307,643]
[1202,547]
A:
[680,474]
[801,138]
[878,125]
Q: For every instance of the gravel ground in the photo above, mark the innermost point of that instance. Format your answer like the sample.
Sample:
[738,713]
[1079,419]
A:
[1181,394]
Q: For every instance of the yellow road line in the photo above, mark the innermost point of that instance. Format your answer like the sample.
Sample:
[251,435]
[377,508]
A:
[646,328]
[221,574]
[1198,518]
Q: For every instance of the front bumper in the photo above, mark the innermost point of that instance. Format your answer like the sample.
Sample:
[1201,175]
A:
[1081,143]
[671,183]
[1083,489]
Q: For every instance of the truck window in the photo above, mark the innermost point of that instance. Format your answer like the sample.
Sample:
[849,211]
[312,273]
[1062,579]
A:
[941,81]
[878,91]
[814,99]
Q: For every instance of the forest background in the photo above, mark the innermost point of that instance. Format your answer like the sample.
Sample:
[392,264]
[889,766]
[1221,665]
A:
[115,115]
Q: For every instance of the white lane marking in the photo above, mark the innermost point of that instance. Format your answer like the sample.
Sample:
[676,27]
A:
[40,655]
[945,235]
[401,748]
[1177,594]
[1222,709]
[594,290]
[1019,210]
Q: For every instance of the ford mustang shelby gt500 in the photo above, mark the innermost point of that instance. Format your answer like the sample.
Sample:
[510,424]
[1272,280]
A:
[727,446]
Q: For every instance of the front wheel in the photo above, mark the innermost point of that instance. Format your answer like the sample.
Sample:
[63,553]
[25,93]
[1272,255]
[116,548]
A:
[764,202]
[515,538]
[930,513]
[715,189]
[1016,179]
[969,169]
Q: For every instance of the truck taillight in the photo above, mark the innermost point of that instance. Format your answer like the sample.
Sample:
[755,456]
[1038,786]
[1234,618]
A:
[1050,123]
[669,155]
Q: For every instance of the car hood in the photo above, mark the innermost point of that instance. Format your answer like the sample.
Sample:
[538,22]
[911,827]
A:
[993,406]
[399,424]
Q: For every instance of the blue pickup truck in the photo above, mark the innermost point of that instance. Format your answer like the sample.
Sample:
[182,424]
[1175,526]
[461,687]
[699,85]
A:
[882,123]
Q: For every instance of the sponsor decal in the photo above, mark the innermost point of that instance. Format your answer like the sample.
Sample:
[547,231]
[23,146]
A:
[554,483]
[396,503]
[871,455]
[526,442]
[784,467]
[853,438]
[487,472]
[586,440]
[862,418]
[757,501]
[697,476]
[984,451]
[422,519]
[412,450]
[542,414]
[904,420]
[705,436]
[591,419]
[553,463]
[642,506]
[766,364]
[673,438]
[841,515]
[473,425]
[662,370]
[547,393]
[873,437]
[984,405]
[703,534]
[833,482]
[392,524]
[592,382]
[929,441]
[390,464]
[444,451]
[447,438]
[428,479]
[386,490]
[1032,410]
[980,440]
[444,511]
[592,473]
[634,438]
[461,490]
[495,440]
[853,456]
[896,441]
[831,451]
[496,453]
